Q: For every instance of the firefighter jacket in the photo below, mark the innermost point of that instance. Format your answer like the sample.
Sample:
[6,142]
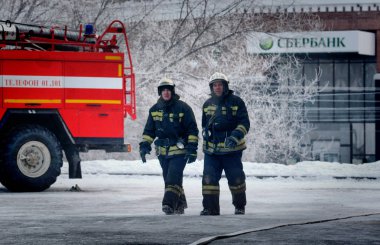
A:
[172,122]
[223,117]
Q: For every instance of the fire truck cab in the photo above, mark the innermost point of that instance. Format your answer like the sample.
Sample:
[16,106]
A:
[60,91]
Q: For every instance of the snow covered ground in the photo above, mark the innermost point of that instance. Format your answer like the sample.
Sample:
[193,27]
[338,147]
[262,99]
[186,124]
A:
[120,203]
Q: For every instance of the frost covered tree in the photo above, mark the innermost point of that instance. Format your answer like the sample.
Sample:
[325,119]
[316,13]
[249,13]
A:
[276,102]
[205,39]
[69,13]
[26,11]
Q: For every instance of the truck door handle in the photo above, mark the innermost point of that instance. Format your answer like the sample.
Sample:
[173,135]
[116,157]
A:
[93,105]
[103,114]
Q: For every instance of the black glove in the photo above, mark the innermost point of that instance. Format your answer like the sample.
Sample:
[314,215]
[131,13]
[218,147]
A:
[231,142]
[145,148]
[191,155]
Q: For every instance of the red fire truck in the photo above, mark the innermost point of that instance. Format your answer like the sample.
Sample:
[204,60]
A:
[60,91]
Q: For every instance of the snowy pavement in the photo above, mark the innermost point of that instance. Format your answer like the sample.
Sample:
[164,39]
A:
[114,207]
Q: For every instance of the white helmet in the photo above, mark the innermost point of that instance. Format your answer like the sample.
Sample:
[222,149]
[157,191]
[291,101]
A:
[164,82]
[218,76]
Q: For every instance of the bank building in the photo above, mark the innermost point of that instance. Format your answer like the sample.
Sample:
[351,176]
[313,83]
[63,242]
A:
[346,113]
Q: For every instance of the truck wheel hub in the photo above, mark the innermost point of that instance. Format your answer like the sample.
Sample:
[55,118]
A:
[33,159]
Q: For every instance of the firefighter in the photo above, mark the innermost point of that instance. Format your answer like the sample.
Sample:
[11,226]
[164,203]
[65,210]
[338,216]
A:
[225,123]
[171,126]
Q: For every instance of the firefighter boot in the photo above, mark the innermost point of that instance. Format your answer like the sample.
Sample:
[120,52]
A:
[206,212]
[167,210]
[210,204]
[179,210]
[182,204]
[239,211]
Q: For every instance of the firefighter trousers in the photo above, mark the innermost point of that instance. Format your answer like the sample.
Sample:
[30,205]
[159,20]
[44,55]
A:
[172,171]
[213,167]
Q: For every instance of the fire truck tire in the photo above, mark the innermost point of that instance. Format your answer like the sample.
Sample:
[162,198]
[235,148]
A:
[31,159]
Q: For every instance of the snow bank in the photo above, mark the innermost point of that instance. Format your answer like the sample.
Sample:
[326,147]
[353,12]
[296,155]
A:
[301,169]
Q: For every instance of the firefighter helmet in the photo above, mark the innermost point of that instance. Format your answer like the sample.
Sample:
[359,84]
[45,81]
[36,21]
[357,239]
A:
[165,83]
[217,76]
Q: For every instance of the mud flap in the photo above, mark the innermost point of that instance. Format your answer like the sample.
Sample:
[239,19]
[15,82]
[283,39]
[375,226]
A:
[73,158]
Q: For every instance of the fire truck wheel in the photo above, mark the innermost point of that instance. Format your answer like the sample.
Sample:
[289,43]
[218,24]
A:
[32,159]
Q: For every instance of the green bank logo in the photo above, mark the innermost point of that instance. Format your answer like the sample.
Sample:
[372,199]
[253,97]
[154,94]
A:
[266,43]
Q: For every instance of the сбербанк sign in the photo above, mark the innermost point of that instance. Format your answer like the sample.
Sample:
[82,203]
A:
[312,42]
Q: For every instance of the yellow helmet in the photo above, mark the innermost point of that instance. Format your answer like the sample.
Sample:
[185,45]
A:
[165,82]
[218,76]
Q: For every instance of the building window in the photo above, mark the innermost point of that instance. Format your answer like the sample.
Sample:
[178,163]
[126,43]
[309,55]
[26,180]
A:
[356,92]
[326,150]
[358,146]
[370,91]
[347,90]
[326,96]
[311,108]
[347,97]
[341,91]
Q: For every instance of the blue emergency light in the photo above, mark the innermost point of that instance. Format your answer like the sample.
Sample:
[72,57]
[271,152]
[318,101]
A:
[89,29]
